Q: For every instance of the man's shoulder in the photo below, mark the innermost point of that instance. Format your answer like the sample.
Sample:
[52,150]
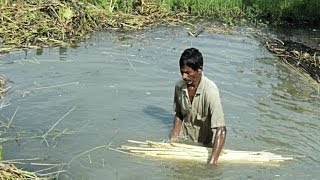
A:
[208,83]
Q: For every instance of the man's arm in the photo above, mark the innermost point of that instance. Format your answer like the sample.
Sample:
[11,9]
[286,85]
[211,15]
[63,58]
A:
[177,123]
[217,144]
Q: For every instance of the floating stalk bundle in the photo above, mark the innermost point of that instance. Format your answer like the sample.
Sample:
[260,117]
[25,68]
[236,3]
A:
[179,151]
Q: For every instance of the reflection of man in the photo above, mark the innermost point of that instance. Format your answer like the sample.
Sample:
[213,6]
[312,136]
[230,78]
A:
[198,111]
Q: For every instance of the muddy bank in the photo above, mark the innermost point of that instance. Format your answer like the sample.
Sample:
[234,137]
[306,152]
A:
[3,88]
[298,55]
[308,36]
[299,48]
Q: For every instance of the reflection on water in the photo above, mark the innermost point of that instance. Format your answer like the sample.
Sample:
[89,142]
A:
[122,88]
[63,53]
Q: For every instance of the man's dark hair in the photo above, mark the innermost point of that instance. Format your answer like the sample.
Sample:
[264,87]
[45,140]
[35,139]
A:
[192,58]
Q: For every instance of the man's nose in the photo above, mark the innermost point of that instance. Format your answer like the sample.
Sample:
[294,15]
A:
[184,76]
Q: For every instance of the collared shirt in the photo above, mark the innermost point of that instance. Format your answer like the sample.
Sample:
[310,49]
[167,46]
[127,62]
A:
[203,114]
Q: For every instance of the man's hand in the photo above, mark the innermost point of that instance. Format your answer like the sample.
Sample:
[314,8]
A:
[212,161]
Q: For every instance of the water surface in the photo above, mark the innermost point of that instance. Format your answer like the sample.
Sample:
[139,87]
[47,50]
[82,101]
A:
[119,86]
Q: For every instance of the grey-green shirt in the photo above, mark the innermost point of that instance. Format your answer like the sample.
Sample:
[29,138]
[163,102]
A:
[204,114]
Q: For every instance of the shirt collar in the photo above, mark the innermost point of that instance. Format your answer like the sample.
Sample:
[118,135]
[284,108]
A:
[201,85]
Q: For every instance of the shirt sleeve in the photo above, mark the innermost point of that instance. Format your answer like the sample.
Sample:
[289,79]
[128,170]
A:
[215,108]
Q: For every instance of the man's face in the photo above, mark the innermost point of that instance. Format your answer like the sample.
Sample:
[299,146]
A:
[189,75]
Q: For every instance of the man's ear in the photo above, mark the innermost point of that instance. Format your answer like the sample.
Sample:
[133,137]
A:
[199,71]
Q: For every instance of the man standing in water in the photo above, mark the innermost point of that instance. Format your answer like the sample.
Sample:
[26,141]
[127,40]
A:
[198,112]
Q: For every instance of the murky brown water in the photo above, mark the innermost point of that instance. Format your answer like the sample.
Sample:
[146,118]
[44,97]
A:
[121,87]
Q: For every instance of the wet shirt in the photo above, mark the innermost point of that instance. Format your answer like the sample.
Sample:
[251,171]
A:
[203,114]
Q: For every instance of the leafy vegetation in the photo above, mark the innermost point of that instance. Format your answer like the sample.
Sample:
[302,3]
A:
[47,23]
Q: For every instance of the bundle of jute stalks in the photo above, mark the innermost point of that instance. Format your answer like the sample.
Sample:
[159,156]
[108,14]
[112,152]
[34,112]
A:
[179,151]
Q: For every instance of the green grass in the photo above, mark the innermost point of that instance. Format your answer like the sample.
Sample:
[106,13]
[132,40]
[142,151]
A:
[273,12]
[277,12]
[224,10]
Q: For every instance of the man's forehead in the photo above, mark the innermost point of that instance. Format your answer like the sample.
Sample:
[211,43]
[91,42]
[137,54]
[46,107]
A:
[187,68]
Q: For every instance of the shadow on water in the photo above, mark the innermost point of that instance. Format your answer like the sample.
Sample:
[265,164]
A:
[159,114]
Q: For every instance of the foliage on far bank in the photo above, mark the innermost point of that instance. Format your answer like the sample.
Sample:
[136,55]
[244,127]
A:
[296,12]
[41,23]
[283,12]
[48,23]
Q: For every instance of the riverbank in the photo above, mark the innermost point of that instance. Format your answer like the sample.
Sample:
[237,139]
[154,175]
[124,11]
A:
[3,82]
[38,24]
[61,23]
[298,48]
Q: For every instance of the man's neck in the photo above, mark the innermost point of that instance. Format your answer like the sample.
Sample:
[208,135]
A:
[196,83]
